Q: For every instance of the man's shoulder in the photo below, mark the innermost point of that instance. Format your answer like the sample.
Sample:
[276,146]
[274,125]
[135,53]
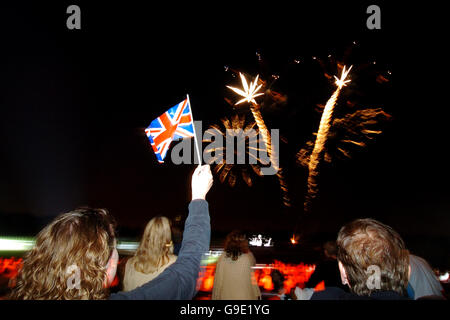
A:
[335,293]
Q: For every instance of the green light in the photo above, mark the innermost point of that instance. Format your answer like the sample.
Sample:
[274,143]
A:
[26,244]
[14,244]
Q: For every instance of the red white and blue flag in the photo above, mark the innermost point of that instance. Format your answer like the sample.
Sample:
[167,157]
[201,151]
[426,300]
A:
[174,124]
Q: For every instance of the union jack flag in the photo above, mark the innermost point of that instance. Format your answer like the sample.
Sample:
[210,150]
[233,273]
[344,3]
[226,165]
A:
[174,124]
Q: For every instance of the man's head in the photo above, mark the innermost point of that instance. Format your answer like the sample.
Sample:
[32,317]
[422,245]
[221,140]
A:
[366,245]
[74,257]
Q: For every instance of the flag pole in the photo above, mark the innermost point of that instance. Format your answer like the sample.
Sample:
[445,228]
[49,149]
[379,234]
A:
[195,134]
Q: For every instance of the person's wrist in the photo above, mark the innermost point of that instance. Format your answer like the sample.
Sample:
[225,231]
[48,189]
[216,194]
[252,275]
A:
[196,196]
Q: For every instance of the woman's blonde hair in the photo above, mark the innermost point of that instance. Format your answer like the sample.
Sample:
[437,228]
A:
[81,240]
[155,247]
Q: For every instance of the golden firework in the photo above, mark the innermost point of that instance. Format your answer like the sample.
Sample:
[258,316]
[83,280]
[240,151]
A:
[227,169]
[351,130]
[250,92]
[341,82]
[322,135]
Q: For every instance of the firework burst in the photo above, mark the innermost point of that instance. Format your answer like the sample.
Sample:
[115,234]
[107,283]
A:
[354,130]
[227,169]
[249,92]
[321,138]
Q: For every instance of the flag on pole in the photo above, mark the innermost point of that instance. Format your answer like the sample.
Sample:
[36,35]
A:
[174,124]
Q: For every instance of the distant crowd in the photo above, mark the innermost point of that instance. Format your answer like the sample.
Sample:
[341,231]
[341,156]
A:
[75,257]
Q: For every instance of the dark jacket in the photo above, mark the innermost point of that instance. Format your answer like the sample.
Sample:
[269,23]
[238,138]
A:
[333,293]
[327,271]
[178,282]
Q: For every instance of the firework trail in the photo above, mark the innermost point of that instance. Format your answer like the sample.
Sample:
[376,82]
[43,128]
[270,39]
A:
[321,139]
[256,111]
[249,93]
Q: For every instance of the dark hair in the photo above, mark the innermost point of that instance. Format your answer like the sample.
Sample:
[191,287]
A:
[235,244]
[366,242]
[330,248]
[277,280]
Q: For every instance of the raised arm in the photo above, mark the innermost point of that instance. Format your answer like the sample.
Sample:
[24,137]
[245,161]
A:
[179,280]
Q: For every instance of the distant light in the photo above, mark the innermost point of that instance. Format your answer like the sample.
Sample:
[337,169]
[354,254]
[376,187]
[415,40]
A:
[16,244]
[294,239]
[256,241]
[444,277]
[127,245]
[210,257]
[26,244]
[260,241]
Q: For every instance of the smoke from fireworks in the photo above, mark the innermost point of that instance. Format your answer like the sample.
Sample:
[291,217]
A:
[321,138]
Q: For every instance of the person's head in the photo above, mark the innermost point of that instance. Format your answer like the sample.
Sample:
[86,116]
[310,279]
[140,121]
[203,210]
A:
[155,247]
[330,249]
[236,243]
[74,257]
[365,246]
[277,281]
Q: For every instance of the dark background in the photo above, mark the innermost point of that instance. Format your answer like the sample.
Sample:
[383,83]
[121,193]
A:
[74,105]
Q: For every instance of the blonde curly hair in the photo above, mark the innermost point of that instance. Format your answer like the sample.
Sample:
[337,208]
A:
[155,247]
[85,238]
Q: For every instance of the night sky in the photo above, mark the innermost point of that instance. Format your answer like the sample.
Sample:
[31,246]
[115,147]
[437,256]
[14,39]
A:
[74,105]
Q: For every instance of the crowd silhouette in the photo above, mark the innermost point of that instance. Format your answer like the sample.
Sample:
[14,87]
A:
[76,257]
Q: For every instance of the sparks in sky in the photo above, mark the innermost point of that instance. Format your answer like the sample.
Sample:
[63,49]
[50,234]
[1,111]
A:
[250,92]
[322,135]
[342,82]
[349,132]
[235,127]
